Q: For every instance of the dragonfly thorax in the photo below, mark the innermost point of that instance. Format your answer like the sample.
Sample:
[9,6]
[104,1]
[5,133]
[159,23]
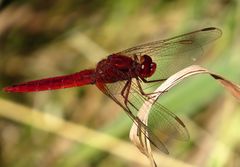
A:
[119,67]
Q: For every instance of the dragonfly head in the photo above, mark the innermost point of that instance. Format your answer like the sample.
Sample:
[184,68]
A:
[146,67]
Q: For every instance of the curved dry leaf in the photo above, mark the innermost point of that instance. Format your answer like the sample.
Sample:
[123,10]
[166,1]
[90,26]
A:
[140,140]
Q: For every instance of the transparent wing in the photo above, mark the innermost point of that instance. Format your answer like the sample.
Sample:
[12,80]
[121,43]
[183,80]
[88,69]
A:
[174,54]
[162,123]
[118,98]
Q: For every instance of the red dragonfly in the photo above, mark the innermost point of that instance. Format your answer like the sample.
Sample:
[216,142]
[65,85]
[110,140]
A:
[130,76]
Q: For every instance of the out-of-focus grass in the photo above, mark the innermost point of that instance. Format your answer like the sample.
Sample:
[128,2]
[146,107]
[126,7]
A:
[41,38]
[74,132]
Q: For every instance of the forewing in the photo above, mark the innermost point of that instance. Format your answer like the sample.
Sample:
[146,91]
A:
[174,54]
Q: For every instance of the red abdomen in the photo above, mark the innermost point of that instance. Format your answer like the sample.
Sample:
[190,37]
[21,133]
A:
[77,79]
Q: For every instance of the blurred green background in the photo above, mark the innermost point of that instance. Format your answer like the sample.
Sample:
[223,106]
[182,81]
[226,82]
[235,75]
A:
[40,38]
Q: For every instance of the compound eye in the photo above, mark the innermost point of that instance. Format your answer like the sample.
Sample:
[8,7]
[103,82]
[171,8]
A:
[153,67]
[142,66]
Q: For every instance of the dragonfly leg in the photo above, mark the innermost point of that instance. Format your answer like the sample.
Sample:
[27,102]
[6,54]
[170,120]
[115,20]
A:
[126,89]
[147,94]
[125,94]
[151,81]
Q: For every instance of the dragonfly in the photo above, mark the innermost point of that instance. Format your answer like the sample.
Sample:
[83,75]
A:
[129,77]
